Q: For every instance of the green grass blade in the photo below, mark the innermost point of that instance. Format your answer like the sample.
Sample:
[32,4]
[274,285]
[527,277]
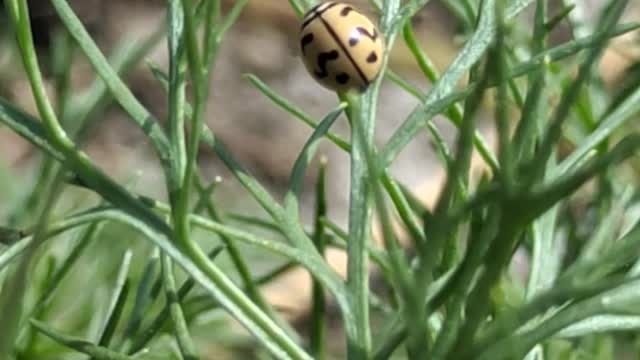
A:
[142,298]
[66,266]
[293,110]
[118,88]
[508,323]
[255,221]
[607,126]
[79,345]
[318,305]
[542,199]
[467,57]
[187,348]
[403,207]
[601,324]
[154,327]
[27,127]
[306,155]
[197,264]
[436,103]
[126,55]
[175,86]
[570,95]
[117,303]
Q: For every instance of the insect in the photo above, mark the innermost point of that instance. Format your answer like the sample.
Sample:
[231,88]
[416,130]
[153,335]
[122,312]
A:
[341,48]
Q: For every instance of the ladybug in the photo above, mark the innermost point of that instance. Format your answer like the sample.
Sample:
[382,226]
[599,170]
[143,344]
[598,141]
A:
[341,48]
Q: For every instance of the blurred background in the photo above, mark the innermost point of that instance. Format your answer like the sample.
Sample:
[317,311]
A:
[264,138]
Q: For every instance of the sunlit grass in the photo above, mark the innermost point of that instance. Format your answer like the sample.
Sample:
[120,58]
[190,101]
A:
[569,213]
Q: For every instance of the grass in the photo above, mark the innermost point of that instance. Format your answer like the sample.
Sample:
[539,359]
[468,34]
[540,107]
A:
[560,189]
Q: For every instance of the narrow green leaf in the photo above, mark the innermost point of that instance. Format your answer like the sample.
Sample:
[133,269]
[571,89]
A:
[27,127]
[467,57]
[318,306]
[117,303]
[175,86]
[121,93]
[439,100]
[80,345]
[139,215]
[299,168]
[607,126]
[293,110]
[187,348]
[602,324]
[606,25]
[159,321]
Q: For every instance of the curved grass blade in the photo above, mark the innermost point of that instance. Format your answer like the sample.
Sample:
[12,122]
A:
[80,345]
[187,347]
[142,299]
[294,110]
[118,300]
[144,336]
[299,168]
[118,88]
[607,126]
[318,305]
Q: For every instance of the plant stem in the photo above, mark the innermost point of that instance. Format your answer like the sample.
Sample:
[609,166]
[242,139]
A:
[359,235]
[185,343]
[318,308]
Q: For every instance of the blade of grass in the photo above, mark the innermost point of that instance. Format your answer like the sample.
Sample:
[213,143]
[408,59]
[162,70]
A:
[510,322]
[318,306]
[607,126]
[214,280]
[291,228]
[296,178]
[474,49]
[544,261]
[84,240]
[187,347]
[15,286]
[623,150]
[362,114]
[601,324]
[476,311]
[79,345]
[142,300]
[467,57]
[124,58]
[117,303]
[147,334]
[118,88]
[293,110]
[500,74]
[570,95]
[517,345]
[176,84]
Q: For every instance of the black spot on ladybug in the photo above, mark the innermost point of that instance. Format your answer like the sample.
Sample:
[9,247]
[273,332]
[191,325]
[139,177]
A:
[342,78]
[323,58]
[365,32]
[306,40]
[346,10]
[354,41]
[373,57]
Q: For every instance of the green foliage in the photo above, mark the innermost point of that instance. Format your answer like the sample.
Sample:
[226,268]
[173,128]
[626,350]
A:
[453,297]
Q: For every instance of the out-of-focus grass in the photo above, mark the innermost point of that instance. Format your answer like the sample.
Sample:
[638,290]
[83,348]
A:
[99,270]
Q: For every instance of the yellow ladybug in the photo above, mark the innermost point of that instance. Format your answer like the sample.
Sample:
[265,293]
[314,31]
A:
[341,48]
